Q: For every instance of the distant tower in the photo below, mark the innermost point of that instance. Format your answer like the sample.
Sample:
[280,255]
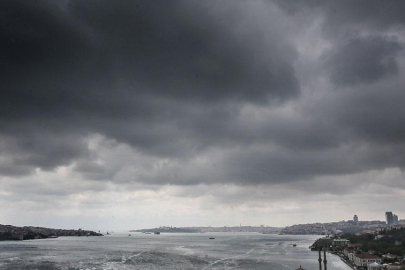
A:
[389,218]
[355,219]
[395,219]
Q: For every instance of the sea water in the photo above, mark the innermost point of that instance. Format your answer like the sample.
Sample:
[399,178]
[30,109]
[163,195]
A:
[166,251]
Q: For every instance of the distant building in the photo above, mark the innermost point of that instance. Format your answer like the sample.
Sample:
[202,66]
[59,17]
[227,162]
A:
[395,219]
[374,266]
[395,266]
[364,259]
[378,237]
[389,218]
[351,256]
[355,219]
[356,246]
[389,256]
[324,242]
[340,242]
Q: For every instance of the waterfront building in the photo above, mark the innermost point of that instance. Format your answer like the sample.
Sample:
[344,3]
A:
[340,242]
[364,259]
[389,218]
[389,256]
[374,266]
[355,219]
[355,245]
[395,266]
[324,242]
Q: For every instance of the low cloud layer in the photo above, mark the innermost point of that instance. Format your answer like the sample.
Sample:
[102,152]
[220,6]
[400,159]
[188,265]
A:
[138,97]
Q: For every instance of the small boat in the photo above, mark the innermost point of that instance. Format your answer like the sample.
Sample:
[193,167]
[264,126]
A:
[294,245]
[108,233]
[212,238]
[129,234]
[147,233]
[156,232]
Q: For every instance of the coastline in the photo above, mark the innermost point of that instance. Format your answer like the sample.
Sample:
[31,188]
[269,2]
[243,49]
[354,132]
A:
[347,262]
[14,233]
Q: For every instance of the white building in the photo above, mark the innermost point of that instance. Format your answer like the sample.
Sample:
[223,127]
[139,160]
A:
[364,259]
[374,266]
[340,242]
[395,266]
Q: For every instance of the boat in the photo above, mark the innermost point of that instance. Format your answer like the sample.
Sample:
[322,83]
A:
[294,245]
[147,233]
[212,238]
[156,232]
[108,233]
[129,234]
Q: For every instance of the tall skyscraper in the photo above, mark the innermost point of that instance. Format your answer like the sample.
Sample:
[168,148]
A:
[389,218]
[355,219]
[395,219]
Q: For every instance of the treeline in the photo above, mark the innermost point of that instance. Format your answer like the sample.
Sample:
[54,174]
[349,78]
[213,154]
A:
[9,232]
[391,240]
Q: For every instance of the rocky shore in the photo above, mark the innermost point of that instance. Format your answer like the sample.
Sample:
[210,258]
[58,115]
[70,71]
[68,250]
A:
[9,232]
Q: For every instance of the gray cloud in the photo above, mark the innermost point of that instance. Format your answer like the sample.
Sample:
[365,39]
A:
[364,60]
[133,71]
[186,82]
[343,16]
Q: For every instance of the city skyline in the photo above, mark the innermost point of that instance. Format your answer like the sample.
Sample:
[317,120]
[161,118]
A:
[134,114]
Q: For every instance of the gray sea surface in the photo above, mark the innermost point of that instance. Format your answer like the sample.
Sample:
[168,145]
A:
[166,251]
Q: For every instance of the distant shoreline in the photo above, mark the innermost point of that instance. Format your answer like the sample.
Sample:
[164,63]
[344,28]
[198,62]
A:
[253,229]
[14,233]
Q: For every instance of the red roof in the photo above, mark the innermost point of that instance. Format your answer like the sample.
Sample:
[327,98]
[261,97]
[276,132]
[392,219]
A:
[366,256]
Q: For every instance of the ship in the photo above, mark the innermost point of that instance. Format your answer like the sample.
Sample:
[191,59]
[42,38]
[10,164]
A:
[156,232]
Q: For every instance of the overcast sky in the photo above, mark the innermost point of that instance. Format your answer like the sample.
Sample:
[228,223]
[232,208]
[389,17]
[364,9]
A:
[136,114]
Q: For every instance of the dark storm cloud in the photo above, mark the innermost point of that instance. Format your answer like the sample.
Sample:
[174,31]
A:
[210,90]
[364,60]
[124,68]
[195,50]
[346,14]
[373,114]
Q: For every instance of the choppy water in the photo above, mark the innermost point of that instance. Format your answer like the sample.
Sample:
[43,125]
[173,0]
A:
[165,251]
